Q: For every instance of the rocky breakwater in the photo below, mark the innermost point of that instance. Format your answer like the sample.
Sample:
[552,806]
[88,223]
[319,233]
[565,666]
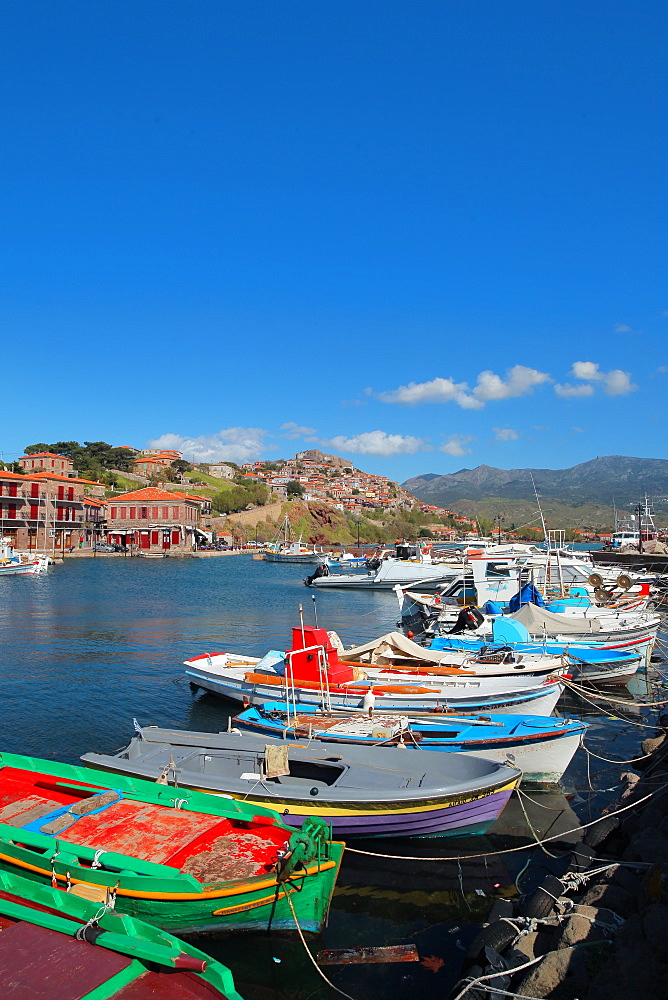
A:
[598,928]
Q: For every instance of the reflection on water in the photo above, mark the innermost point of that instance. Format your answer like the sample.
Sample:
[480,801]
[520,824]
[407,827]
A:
[95,642]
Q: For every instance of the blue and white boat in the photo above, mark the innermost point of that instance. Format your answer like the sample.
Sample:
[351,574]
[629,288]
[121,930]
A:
[542,748]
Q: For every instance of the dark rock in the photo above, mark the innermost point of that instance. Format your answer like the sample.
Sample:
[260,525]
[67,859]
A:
[526,945]
[576,929]
[613,897]
[652,744]
[628,879]
[633,971]
[648,845]
[655,926]
[561,975]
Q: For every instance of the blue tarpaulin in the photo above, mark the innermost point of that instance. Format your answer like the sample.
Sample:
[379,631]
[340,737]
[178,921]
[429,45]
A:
[529,594]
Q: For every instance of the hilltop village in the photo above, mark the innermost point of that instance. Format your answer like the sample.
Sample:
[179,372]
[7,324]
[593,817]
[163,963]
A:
[158,502]
[67,498]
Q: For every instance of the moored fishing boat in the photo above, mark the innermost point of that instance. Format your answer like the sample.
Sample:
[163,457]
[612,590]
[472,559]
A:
[181,860]
[359,794]
[542,748]
[56,944]
[315,671]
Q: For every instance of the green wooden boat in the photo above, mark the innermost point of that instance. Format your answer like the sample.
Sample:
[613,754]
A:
[56,945]
[184,860]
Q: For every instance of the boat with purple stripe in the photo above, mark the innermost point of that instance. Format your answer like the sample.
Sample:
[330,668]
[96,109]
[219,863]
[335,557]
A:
[361,794]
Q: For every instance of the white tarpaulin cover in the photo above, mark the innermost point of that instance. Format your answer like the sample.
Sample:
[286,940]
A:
[393,644]
[537,619]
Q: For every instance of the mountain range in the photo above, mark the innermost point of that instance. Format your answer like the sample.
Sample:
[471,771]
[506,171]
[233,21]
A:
[611,480]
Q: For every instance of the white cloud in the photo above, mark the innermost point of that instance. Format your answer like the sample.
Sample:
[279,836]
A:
[456,444]
[615,382]
[586,370]
[505,434]
[438,390]
[662,369]
[379,443]
[293,430]
[568,391]
[618,383]
[578,430]
[519,381]
[623,328]
[233,444]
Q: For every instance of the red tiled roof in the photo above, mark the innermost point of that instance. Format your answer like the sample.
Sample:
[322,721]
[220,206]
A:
[45,454]
[43,474]
[95,502]
[149,494]
[6,474]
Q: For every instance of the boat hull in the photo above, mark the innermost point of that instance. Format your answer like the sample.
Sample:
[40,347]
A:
[154,891]
[542,755]
[465,698]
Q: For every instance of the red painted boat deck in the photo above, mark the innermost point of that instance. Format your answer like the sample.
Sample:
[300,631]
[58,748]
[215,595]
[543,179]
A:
[41,964]
[44,965]
[208,847]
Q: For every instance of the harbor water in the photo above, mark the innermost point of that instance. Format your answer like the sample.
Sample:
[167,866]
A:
[94,643]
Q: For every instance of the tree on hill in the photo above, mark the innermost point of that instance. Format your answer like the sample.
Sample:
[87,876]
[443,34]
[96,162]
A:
[89,459]
[294,489]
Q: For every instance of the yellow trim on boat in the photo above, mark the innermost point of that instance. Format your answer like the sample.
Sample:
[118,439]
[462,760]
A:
[142,894]
[315,808]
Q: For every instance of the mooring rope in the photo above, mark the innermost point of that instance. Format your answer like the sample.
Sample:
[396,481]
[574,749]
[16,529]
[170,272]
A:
[513,850]
[495,975]
[309,953]
[615,701]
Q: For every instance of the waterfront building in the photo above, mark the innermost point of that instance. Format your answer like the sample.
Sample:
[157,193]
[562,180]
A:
[155,520]
[45,512]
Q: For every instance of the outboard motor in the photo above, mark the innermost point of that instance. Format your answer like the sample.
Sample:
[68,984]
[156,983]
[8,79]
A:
[321,570]
[468,619]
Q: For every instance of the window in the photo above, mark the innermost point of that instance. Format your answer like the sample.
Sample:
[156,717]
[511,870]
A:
[53,464]
[144,512]
[11,510]
[34,511]
[175,537]
[11,490]
[133,513]
[34,489]
[155,512]
[113,512]
[165,512]
[154,538]
[123,511]
[70,493]
[33,464]
[175,511]
[61,492]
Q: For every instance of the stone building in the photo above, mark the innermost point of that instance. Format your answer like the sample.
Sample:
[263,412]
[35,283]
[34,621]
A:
[154,520]
[45,512]
[47,461]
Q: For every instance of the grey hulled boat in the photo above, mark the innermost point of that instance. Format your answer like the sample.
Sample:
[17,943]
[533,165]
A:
[385,794]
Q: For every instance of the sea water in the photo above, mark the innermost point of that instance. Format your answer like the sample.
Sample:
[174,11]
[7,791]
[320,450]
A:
[96,642]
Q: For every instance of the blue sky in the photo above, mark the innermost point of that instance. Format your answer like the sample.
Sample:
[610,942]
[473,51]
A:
[422,235]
